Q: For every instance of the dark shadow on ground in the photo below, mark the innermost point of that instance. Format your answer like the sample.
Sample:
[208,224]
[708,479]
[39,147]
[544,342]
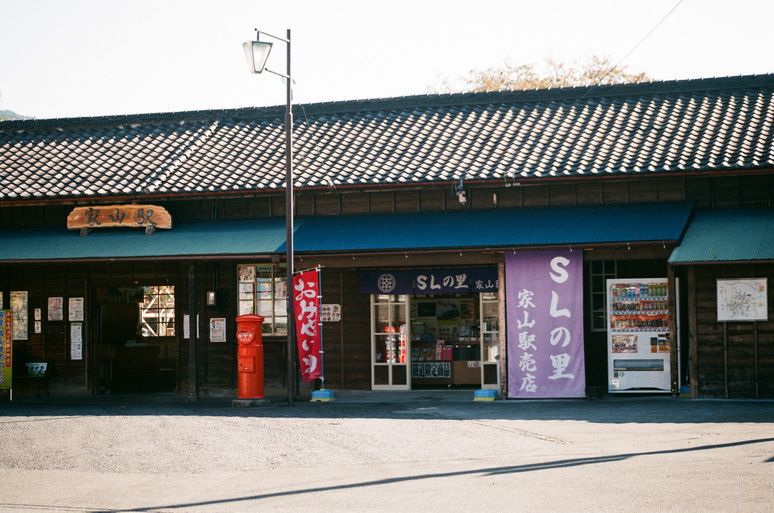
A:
[511,469]
[614,410]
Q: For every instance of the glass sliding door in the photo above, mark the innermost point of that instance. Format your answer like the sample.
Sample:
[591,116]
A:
[390,342]
[490,340]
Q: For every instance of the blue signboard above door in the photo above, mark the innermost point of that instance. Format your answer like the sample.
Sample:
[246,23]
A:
[429,281]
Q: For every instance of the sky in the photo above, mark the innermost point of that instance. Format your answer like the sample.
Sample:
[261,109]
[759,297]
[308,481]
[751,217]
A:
[74,58]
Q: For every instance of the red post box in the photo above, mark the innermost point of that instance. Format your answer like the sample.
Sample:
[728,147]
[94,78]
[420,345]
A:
[249,357]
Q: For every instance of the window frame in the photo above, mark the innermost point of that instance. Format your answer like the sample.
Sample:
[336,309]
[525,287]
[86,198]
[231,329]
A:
[164,314]
[607,269]
[262,290]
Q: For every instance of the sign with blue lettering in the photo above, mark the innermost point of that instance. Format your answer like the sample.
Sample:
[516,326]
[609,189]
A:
[429,281]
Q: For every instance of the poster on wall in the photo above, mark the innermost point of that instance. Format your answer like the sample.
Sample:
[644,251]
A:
[38,324]
[218,329]
[544,294]
[20,308]
[76,341]
[187,326]
[6,349]
[56,309]
[743,300]
[75,309]
[330,312]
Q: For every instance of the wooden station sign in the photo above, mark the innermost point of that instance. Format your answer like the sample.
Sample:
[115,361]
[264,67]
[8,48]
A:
[149,217]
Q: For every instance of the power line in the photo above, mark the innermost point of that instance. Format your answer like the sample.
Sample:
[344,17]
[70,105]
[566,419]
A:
[641,41]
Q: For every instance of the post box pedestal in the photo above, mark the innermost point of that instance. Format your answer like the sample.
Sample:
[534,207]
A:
[248,403]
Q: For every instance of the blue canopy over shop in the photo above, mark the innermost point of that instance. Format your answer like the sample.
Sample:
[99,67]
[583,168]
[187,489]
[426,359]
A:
[185,239]
[730,235]
[495,228]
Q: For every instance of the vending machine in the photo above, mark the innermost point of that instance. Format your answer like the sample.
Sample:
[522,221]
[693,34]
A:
[638,335]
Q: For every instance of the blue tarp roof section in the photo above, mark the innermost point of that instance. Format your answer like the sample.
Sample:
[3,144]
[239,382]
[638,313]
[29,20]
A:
[731,235]
[221,238]
[494,228]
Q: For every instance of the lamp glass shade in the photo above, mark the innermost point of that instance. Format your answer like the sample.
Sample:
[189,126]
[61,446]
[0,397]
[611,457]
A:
[256,53]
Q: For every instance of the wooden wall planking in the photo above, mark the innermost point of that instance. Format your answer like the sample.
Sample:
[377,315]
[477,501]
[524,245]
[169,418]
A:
[733,359]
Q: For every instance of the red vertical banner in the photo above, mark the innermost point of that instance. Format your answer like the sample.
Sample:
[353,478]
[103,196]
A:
[306,305]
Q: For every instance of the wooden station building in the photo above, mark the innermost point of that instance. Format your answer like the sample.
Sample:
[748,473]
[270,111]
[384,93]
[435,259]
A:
[116,231]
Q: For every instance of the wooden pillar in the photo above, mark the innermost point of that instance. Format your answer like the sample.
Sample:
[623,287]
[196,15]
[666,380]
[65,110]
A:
[674,363]
[725,360]
[693,350]
[6,284]
[757,366]
[503,331]
[755,351]
[193,384]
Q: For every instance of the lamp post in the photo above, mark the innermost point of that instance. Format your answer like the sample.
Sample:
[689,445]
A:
[257,53]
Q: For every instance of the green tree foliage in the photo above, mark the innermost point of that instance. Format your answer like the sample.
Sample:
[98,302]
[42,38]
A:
[595,71]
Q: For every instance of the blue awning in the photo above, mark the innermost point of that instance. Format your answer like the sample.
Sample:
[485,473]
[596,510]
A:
[495,228]
[545,226]
[185,239]
[727,235]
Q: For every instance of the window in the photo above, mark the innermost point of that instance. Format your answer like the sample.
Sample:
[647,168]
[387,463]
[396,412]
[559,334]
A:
[601,271]
[263,291]
[157,311]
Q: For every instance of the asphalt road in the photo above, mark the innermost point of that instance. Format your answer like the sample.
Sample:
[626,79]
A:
[386,452]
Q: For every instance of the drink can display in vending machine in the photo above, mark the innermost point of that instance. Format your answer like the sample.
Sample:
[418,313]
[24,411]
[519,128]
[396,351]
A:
[638,314]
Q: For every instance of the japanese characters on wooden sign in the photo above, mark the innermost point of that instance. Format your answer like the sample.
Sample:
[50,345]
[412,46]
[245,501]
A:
[149,217]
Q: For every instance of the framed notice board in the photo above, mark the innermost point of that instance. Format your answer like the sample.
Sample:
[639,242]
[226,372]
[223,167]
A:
[743,300]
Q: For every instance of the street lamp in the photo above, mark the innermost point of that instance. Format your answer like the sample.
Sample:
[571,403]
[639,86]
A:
[257,53]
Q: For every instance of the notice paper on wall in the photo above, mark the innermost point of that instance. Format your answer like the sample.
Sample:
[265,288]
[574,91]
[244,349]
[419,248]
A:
[218,329]
[187,326]
[76,341]
[75,309]
[55,308]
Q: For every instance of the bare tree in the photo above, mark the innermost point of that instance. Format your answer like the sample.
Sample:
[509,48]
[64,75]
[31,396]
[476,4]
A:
[597,70]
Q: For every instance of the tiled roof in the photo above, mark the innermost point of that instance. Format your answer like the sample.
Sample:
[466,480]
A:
[705,125]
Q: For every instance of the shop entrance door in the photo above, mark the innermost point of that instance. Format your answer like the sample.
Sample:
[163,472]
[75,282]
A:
[136,348]
[390,339]
[489,308]
[455,340]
